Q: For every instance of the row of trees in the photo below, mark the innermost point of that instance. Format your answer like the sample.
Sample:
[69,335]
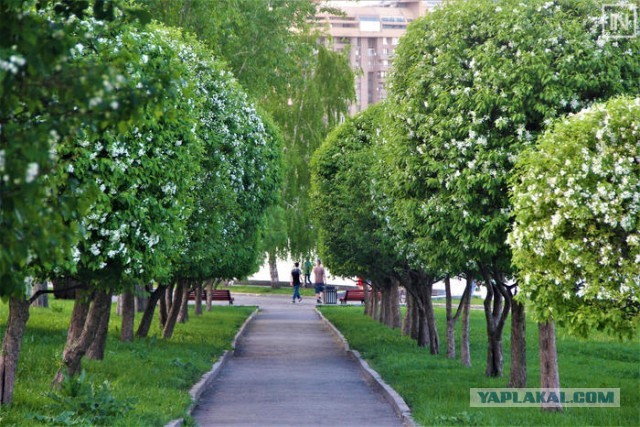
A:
[431,184]
[129,156]
[272,48]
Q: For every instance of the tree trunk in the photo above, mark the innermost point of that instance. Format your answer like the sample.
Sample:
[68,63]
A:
[172,317]
[141,298]
[11,347]
[210,286]
[128,316]
[384,305]
[273,270]
[465,351]
[119,303]
[395,320]
[423,328]
[183,314]
[376,306]
[369,303]
[518,370]
[451,323]
[415,318]
[406,323]
[81,307]
[549,375]
[453,319]
[43,300]
[168,297]
[493,305]
[420,286]
[424,291]
[496,314]
[197,310]
[147,317]
[163,312]
[73,352]
[434,341]
[98,345]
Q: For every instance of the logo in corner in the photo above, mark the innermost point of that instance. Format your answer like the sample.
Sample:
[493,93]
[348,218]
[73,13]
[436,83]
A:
[620,20]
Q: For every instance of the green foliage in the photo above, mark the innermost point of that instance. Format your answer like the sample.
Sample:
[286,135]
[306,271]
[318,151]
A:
[352,239]
[45,99]
[80,403]
[474,83]
[144,174]
[309,112]
[437,389]
[254,37]
[272,50]
[576,237]
[241,171]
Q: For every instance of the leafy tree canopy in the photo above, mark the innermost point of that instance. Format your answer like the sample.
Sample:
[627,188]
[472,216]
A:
[352,239]
[576,237]
[474,83]
[46,97]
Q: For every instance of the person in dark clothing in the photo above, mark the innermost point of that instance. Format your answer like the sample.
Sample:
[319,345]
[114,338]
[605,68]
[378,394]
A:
[295,282]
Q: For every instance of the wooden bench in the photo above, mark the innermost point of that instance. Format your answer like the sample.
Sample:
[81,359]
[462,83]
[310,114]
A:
[353,295]
[217,295]
[222,295]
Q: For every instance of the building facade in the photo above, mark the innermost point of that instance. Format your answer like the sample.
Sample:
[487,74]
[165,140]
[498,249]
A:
[369,31]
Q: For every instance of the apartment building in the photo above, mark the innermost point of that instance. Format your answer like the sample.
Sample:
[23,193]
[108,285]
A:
[370,31]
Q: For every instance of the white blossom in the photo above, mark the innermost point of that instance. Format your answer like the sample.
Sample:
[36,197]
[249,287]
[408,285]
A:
[32,172]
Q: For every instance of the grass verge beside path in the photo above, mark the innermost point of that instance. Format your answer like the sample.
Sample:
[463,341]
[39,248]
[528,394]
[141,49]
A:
[157,374]
[437,388]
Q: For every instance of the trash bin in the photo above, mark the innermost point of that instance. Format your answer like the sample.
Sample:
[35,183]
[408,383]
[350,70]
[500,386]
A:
[330,295]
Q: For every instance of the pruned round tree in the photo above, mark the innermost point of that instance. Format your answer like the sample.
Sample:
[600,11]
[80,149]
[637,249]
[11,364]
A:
[576,237]
[352,239]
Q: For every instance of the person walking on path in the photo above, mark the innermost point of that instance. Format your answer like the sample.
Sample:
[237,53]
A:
[295,282]
[318,280]
[307,273]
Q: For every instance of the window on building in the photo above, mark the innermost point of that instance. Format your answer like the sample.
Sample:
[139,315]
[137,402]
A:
[369,23]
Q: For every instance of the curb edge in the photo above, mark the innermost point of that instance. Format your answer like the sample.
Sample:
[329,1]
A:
[207,378]
[400,407]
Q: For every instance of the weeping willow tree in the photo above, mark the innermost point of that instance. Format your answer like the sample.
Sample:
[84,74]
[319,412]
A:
[273,51]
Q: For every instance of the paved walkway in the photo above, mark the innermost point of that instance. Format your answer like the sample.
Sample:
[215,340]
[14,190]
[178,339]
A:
[288,370]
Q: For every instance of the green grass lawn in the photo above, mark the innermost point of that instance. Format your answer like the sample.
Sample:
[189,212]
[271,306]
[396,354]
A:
[437,388]
[156,373]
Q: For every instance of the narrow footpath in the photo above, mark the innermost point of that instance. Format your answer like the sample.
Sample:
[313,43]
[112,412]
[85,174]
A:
[288,370]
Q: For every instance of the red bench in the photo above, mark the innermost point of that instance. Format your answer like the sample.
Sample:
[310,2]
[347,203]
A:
[217,295]
[353,295]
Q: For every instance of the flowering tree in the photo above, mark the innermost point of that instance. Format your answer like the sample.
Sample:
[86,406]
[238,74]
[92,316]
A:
[240,177]
[576,237]
[144,177]
[474,83]
[46,98]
